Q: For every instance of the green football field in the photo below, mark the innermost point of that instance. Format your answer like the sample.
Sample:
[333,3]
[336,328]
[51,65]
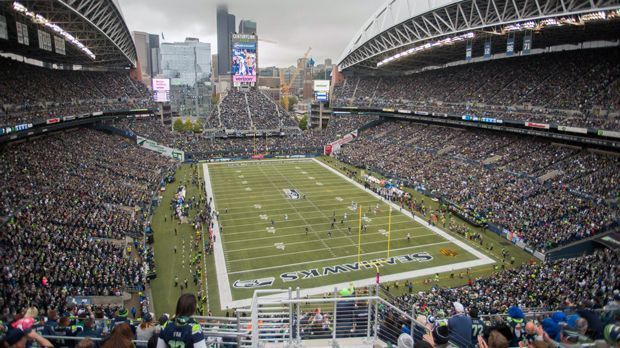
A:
[295,223]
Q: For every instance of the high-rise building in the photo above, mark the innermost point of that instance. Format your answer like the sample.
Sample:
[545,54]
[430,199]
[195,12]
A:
[247,26]
[178,58]
[328,63]
[225,28]
[147,49]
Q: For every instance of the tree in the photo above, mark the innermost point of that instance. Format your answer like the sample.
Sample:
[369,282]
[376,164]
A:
[178,125]
[188,126]
[197,127]
[303,123]
[292,100]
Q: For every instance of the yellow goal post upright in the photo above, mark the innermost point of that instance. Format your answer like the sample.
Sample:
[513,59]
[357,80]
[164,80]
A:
[375,263]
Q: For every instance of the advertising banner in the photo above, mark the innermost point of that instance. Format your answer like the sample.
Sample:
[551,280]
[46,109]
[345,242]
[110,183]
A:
[537,125]
[164,150]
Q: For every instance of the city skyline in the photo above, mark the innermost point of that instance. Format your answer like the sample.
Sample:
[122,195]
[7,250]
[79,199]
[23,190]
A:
[333,25]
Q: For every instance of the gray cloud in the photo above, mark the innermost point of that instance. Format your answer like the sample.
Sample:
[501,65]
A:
[325,25]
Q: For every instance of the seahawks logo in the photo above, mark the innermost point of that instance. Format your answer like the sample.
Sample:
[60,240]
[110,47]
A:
[254,283]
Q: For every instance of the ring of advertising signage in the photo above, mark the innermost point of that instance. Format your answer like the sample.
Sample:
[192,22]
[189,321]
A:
[244,60]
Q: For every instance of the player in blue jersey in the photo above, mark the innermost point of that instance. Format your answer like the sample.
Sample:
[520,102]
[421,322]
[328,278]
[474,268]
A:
[183,331]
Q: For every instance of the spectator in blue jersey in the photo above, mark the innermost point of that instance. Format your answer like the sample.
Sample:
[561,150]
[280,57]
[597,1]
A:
[460,326]
[477,325]
[183,331]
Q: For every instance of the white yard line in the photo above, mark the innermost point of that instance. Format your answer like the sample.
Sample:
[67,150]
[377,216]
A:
[223,283]
[306,241]
[380,218]
[337,258]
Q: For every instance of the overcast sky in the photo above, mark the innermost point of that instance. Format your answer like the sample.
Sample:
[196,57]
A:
[325,25]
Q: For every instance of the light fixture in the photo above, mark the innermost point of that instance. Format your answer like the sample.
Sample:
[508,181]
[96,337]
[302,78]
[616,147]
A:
[39,19]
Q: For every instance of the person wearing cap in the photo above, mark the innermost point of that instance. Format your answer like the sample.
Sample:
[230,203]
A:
[515,320]
[89,329]
[18,338]
[145,330]
[611,333]
[441,336]
[460,326]
[122,316]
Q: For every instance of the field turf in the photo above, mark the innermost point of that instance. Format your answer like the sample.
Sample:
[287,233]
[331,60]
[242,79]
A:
[276,232]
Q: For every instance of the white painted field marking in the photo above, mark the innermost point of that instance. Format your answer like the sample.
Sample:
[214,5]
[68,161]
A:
[304,172]
[237,171]
[311,178]
[339,199]
[383,232]
[244,182]
[271,229]
[257,206]
[263,216]
[241,176]
[366,219]
[296,167]
[248,189]
[319,183]
[279,246]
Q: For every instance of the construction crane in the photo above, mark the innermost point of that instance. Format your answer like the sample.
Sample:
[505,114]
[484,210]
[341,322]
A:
[284,87]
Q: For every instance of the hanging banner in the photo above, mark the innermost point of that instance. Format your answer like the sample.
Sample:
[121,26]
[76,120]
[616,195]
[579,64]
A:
[22,33]
[45,40]
[59,45]
[487,49]
[164,150]
[4,33]
[468,51]
[510,46]
[527,42]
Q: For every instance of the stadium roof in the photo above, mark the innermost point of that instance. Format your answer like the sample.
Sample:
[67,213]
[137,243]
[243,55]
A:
[413,34]
[94,32]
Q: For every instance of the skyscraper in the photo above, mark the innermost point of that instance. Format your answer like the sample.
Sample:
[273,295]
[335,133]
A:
[225,28]
[147,49]
[177,61]
[247,26]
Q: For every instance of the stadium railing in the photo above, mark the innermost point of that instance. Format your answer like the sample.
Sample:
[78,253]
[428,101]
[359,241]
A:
[288,318]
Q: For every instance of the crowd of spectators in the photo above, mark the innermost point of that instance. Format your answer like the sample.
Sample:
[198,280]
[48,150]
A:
[573,88]
[208,146]
[572,301]
[31,94]
[546,194]
[68,204]
[249,109]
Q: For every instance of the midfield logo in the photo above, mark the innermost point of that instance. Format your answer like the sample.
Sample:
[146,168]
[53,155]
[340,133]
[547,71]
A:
[292,194]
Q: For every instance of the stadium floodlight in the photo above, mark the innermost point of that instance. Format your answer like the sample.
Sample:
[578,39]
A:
[442,42]
[595,16]
[39,19]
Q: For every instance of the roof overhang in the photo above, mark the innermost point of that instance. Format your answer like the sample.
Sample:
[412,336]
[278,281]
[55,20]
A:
[402,25]
[96,24]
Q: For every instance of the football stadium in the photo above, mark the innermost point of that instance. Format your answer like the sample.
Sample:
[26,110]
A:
[452,179]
